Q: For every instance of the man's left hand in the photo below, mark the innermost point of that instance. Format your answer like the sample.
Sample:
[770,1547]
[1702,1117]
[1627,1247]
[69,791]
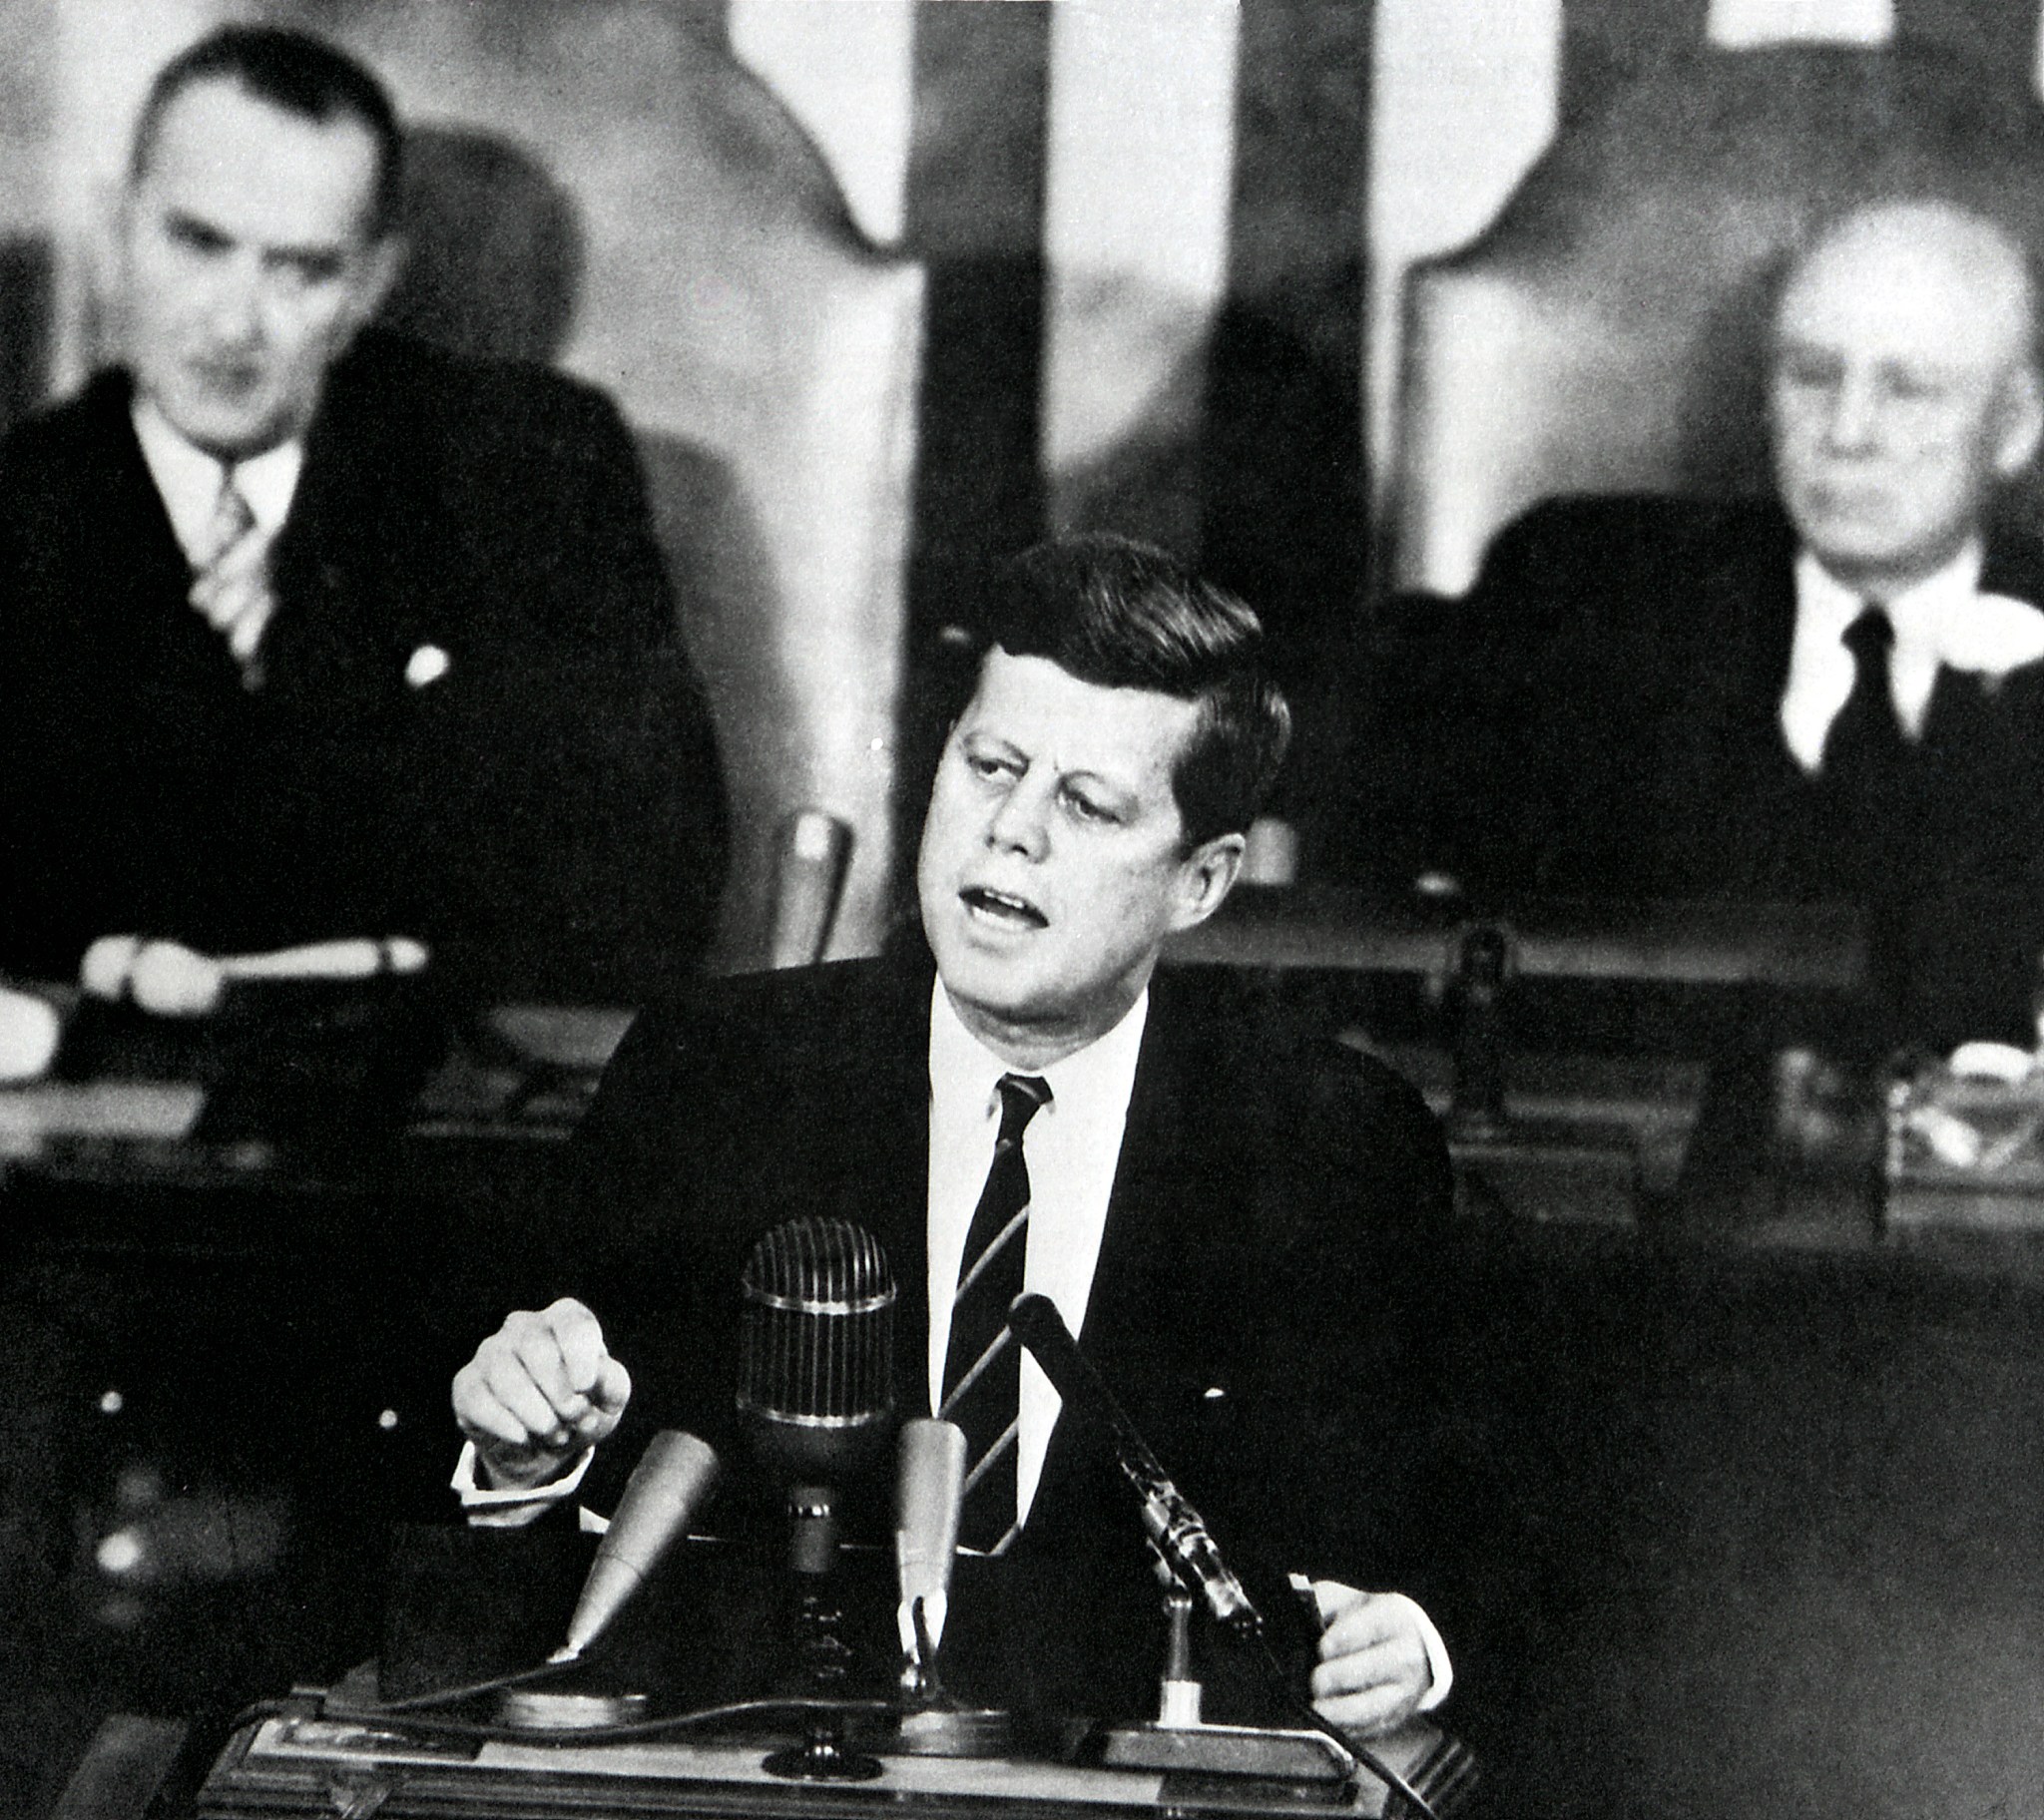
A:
[1374,1669]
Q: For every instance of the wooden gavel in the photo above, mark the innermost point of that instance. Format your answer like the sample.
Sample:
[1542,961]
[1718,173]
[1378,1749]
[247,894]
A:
[173,981]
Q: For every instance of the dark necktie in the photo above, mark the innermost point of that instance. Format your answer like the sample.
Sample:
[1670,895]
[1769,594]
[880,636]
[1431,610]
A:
[982,1363]
[1865,741]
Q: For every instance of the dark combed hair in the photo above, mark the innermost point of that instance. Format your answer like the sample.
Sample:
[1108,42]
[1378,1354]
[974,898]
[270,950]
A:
[294,72]
[1123,614]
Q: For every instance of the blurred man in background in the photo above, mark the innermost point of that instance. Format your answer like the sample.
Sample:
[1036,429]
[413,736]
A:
[312,631]
[1832,695]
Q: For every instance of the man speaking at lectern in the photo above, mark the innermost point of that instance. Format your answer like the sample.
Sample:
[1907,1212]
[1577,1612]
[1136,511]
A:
[1224,1215]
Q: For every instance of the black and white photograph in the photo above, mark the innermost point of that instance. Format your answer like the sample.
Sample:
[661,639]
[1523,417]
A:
[1022,909]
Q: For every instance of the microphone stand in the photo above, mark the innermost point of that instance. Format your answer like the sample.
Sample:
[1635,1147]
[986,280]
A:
[1182,1547]
[826,1657]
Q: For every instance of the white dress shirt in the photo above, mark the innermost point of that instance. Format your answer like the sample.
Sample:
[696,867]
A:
[1070,1147]
[187,480]
[1943,620]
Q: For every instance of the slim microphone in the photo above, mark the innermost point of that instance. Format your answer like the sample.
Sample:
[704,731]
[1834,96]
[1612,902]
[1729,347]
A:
[929,1492]
[1178,1530]
[674,1479]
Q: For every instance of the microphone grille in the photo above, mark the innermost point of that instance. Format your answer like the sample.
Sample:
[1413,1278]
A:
[816,1341]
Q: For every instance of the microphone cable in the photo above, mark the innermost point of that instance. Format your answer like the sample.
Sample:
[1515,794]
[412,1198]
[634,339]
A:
[615,1732]
[472,1690]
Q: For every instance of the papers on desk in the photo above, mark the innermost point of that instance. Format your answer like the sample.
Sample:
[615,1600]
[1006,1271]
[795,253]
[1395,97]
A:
[1965,1151]
[34,1117]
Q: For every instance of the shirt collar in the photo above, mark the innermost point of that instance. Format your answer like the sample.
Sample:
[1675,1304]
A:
[187,479]
[1102,1074]
[1918,606]
[1944,619]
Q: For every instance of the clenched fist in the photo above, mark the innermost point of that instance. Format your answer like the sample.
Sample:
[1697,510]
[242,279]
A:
[539,1390]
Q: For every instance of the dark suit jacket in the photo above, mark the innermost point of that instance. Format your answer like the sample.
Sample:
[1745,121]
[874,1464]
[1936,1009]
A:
[1260,1308]
[1626,661]
[549,812]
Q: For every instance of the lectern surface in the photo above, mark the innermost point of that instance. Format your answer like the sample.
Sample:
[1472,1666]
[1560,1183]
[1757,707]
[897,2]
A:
[302,1762]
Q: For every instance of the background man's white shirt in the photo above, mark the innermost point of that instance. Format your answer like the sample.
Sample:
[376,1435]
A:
[187,480]
[1943,620]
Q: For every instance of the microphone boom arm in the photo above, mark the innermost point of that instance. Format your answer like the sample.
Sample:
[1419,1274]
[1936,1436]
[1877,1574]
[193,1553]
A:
[1181,1535]
[1178,1530]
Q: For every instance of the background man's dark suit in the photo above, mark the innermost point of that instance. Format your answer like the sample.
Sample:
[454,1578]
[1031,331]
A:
[1273,1232]
[549,812]
[1625,663]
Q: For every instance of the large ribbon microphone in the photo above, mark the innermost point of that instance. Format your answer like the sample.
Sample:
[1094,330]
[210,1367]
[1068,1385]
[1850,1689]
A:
[817,1349]
[674,1479]
[1178,1530]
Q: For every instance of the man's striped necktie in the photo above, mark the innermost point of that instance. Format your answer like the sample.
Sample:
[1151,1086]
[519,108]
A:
[232,584]
[983,1363]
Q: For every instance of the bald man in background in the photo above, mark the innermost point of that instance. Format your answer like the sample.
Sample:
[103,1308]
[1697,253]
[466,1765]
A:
[1832,695]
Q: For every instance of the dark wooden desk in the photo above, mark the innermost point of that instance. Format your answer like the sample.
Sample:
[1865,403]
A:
[1780,1465]
[1786,947]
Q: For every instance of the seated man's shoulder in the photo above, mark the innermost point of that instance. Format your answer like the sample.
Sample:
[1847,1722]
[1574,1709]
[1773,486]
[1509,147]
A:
[79,511]
[411,380]
[2015,563]
[512,487]
[84,431]
[1584,537]
[1293,1087]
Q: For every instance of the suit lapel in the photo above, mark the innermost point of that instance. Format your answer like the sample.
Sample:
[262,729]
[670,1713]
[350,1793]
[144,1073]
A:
[880,1075]
[345,594]
[1750,612]
[1138,1209]
[141,603]
[1120,1334]
[2014,566]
